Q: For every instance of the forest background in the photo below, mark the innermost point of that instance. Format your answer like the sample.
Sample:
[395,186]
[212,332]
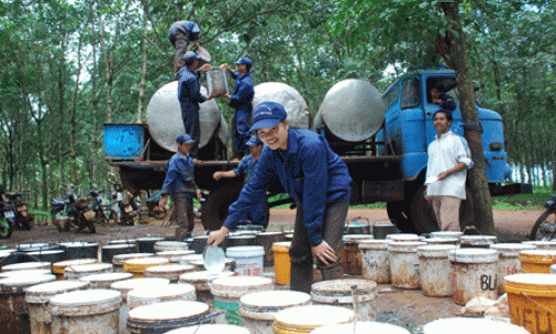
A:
[68,67]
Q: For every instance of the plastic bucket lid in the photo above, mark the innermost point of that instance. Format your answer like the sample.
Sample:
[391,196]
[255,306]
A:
[404,237]
[85,302]
[167,315]
[187,259]
[405,246]
[200,279]
[18,283]
[211,329]
[237,286]
[478,239]
[244,251]
[537,285]
[379,244]
[127,285]
[87,269]
[121,258]
[26,266]
[473,255]
[511,249]
[281,246]
[341,291]
[162,246]
[41,293]
[264,305]
[312,316]
[538,256]
[170,271]
[435,251]
[139,265]
[160,293]
[25,273]
[471,325]
[364,327]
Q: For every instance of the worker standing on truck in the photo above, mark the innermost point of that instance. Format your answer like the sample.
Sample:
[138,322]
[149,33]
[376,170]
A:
[180,185]
[246,168]
[242,101]
[448,161]
[318,181]
[189,95]
[180,34]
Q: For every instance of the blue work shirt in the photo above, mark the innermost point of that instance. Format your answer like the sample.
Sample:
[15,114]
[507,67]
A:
[242,96]
[180,177]
[246,168]
[189,92]
[311,173]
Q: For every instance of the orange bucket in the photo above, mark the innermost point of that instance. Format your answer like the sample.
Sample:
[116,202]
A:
[537,261]
[282,265]
[532,300]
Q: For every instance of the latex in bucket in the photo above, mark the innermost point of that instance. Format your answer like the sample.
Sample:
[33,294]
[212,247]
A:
[532,300]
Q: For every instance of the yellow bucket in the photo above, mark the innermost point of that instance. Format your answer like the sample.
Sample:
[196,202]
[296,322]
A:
[304,319]
[537,261]
[138,266]
[282,265]
[532,300]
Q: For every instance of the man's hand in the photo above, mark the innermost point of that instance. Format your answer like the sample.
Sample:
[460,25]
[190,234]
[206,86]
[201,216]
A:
[162,202]
[324,253]
[442,176]
[216,237]
[217,175]
[205,67]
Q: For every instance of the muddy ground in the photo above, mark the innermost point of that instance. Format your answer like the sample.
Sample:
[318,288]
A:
[408,308]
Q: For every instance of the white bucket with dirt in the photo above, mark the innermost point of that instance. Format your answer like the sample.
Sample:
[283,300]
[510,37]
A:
[200,280]
[304,319]
[258,309]
[249,259]
[170,271]
[94,311]
[174,255]
[375,260]
[75,272]
[471,325]
[211,329]
[475,273]
[166,316]
[404,264]
[58,268]
[402,237]
[365,327]
[435,270]
[161,293]
[104,281]
[508,261]
[163,246]
[37,296]
[357,294]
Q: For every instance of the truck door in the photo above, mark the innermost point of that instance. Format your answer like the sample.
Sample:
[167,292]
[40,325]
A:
[412,116]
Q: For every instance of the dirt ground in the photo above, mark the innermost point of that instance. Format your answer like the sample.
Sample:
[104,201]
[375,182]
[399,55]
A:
[407,308]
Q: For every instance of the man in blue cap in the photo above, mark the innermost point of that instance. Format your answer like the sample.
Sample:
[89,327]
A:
[316,179]
[242,101]
[246,168]
[180,185]
[180,34]
[190,97]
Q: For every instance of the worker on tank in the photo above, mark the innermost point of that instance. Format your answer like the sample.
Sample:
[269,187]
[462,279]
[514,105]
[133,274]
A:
[180,34]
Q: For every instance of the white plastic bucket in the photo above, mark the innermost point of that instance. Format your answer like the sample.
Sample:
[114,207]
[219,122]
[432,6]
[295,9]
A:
[546,245]
[401,237]
[340,292]
[163,246]
[441,241]
[435,270]
[174,255]
[476,241]
[26,266]
[249,259]
[211,329]
[375,262]
[160,293]
[166,316]
[200,280]
[58,268]
[471,325]
[365,327]
[258,309]
[304,319]
[446,234]
[75,272]
[94,311]
[508,261]
[104,281]
[404,264]
[475,271]
[118,260]
[169,271]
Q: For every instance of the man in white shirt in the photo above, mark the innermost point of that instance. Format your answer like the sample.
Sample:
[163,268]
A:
[449,159]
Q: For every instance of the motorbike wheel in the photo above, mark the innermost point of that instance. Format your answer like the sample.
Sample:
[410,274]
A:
[545,226]
[5,229]
[160,215]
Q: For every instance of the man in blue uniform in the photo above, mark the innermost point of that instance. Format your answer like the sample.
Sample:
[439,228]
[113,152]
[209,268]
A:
[180,34]
[246,168]
[242,101]
[315,177]
[189,95]
[180,185]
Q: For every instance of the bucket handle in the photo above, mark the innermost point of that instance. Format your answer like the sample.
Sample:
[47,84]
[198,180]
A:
[204,319]
[534,302]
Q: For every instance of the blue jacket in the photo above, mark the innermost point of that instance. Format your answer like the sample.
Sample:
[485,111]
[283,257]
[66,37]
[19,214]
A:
[189,92]
[242,96]
[180,176]
[246,167]
[311,173]
[181,28]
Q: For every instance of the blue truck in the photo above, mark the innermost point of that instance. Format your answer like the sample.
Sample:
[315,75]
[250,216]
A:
[387,160]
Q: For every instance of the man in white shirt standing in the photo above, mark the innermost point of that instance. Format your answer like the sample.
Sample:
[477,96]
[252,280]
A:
[449,159]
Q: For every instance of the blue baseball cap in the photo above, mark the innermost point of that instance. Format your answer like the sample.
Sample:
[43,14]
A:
[267,115]
[244,61]
[190,56]
[184,138]
[254,141]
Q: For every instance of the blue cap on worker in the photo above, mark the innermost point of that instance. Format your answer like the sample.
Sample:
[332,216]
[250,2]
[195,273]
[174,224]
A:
[254,141]
[268,114]
[184,138]
[244,61]
[189,56]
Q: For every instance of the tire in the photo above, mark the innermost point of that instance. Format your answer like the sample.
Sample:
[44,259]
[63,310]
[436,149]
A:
[544,227]
[398,212]
[5,229]
[214,209]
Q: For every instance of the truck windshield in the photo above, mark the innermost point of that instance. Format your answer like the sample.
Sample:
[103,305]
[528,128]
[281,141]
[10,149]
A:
[410,93]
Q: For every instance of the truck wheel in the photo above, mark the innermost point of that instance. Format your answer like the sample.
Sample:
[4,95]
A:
[214,209]
[398,212]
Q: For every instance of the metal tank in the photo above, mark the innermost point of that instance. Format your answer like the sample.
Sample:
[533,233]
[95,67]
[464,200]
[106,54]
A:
[165,123]
[289,97]
[352,110]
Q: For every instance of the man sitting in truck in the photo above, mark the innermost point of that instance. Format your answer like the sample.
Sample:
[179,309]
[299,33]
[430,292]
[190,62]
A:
[448,160]
[439,96]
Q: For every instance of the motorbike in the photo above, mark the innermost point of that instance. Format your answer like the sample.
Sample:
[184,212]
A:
[98,206]
[122,211]
[23,219]
[72,211]
[545,226]
[7,220]
[153,208]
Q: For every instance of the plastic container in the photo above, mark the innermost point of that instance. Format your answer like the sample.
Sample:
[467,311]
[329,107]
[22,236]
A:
[532,300]
[104,281]
[282,264]
[138,266]
[166,316]
[267,239]
[340,292]
[375,260]
[508,261]
[160,293]
[537,261]
[304,319]
[211,329]
[249,259]
[351,258]
[59,268]
[166,246]
[169,271]
[80,250]
[366,327]
[228,291]
[258,309]
[404,264]
[475,271]
[174,255]
[119,260]
[36,298]
[471,325]
[435,270]
[94,311]
[75,272]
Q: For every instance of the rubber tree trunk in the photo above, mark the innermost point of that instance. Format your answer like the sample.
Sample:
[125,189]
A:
[477,175]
